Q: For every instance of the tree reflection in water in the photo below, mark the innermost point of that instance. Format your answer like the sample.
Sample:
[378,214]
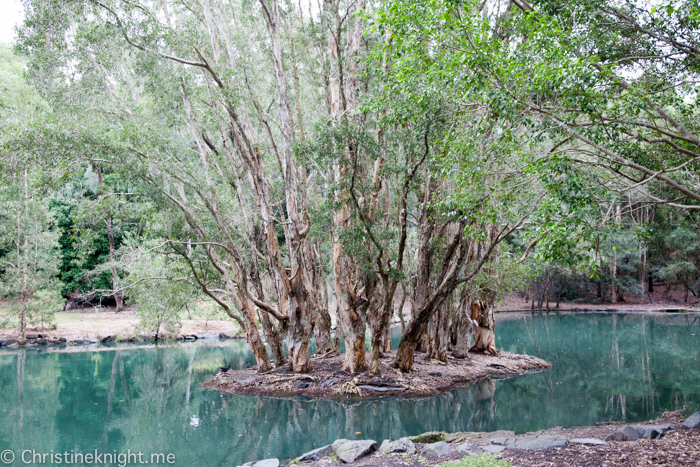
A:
[150,399]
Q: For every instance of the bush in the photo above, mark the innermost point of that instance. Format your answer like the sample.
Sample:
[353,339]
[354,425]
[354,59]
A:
[42,308]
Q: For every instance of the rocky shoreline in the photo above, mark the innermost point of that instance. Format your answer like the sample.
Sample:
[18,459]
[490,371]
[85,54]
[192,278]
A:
[327,381]
[47,340]
[669,440]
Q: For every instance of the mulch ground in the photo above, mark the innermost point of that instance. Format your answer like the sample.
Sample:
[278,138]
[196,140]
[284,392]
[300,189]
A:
[679,447]
[426,379]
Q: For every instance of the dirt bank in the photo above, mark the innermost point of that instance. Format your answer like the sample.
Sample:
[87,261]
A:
[89,324]
[328,381]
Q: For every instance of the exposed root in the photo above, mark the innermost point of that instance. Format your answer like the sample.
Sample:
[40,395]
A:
[350,388]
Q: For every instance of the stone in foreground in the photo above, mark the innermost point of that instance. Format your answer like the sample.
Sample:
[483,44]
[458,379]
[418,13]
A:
[588,441]
[532,442]
[467,448]
[7,342]
[437,449]
[493,449]
[635,432]
[316,454]
[693,421]
[400,445]
[349,451]
[263,463]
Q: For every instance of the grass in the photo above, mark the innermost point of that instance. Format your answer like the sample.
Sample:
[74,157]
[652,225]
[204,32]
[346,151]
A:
[477,460]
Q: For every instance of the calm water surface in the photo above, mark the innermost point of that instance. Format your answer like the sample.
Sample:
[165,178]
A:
[605,367]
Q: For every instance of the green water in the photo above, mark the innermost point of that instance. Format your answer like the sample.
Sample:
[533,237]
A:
[605,367]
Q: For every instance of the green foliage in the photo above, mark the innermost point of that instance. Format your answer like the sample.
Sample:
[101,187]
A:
[42,307]
[159,287]
[477,460]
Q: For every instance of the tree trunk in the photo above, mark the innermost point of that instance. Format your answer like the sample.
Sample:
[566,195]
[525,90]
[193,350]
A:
[25,255]
[464,327]
[485,335]
[112,257]
[321,317]
[22,340]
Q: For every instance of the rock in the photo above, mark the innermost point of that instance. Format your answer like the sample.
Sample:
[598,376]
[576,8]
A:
[223,335]
[349,451]
[7,342]
[55,342]
[246,381]
[588,441]
[532,442]
[381,389]
[467,448]
[437,449]
[108,339]
[635,432]
[626,433]
[493,449]
[460,436]
[63,339]
[301,385]
[400,445]
[42,341]
[263,463]
[89,340]
[32,336]
[429,437]
[316,454]
[691,422]
[328,382]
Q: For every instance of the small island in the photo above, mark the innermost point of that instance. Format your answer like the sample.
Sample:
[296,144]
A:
[327,381]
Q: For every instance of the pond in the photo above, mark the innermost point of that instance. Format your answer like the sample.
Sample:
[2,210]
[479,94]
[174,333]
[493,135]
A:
[626,367]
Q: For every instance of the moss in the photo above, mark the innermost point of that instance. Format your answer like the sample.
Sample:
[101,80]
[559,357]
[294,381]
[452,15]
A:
[429,437]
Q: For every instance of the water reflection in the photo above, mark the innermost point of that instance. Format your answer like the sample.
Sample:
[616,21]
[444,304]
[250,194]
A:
[620,367]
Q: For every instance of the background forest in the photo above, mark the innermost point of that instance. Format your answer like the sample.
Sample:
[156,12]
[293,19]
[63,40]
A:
[299,164]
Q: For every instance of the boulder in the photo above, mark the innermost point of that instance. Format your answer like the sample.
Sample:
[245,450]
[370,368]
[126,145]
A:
[42,341]
[263,463]
[349,450]
[7,342]
[316,454]
[89,340]
[32,336]
[493,449]
[400,445]
[467,448]
[429,437]
[437,449]
[301,385]
[328,382]
[588,441]
[693,421]
[531,442]
[635,432]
